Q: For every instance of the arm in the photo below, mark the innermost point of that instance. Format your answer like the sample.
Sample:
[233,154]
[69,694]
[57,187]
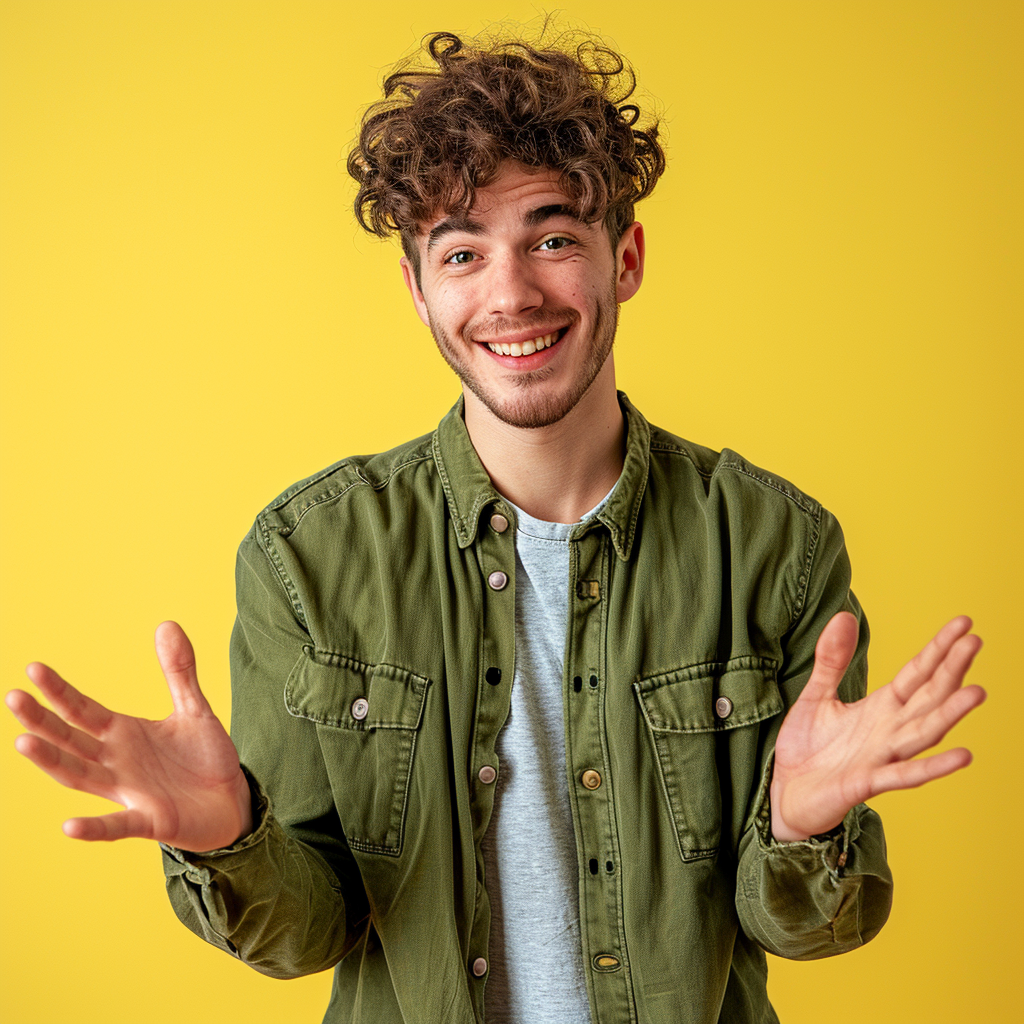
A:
[287,899]
[267,889]
[813,879]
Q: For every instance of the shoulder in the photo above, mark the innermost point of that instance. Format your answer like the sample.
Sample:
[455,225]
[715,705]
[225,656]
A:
[358,476]
[727,474]
[767,529]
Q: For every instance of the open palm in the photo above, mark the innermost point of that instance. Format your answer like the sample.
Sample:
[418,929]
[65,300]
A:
[831,756]
[178,780]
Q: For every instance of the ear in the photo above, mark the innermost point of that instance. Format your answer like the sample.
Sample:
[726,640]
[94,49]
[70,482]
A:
[414,290]
[629,262]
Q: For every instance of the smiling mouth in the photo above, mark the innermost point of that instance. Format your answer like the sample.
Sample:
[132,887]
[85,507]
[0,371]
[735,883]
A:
[526,348]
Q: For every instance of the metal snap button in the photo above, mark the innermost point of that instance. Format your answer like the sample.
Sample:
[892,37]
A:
[479,966]
[591,779]
[487,775]
[499,524]
[723,707]
[360,707]
[497,581]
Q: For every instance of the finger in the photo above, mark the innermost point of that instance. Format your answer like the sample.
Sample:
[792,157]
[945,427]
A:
[947,677]
[178,663]
[921,667]
[126,824]
[925,732]
[72,705]
[68,769]
[832,654]
[908,774]
[44,723]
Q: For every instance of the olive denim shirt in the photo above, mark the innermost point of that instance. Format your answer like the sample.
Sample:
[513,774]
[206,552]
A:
[372,661]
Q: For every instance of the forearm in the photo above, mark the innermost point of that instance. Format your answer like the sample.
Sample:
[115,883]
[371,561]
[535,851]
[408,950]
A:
[270,900]
[818,897]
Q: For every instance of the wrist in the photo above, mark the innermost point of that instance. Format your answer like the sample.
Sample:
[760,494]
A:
[785,832]
[246,800]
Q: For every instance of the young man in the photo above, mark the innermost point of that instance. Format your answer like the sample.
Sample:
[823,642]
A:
[549,715]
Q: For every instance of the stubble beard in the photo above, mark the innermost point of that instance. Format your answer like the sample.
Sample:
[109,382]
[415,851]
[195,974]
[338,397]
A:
[531,409]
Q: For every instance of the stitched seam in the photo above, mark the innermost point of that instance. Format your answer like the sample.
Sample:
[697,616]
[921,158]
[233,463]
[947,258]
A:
[613,816]
[674,449]
[348,661]
[332,494]
[322,499]
[303,485]
[282,574]
[541,540]
[805,579]
[446,483]
[702,669]
[774,484]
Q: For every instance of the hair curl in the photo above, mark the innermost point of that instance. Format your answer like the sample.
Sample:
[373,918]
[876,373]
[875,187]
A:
[442,131]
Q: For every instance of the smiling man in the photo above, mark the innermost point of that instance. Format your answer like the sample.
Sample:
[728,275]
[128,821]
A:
[549,715]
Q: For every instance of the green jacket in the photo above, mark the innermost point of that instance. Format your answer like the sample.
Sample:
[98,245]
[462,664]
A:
[372,661]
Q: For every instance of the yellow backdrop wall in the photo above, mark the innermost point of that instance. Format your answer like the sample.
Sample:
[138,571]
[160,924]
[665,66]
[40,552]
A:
[192,321]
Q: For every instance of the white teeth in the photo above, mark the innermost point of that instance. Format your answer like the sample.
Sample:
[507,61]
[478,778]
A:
[526,348]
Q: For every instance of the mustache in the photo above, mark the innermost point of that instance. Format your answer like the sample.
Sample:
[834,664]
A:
[543,321]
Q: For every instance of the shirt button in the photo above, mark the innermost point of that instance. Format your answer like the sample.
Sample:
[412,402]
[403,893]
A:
[487,775]
[591,779]
[360,707]
[499,524]
[723,707]
[606,962]
[497,581]
[479,966]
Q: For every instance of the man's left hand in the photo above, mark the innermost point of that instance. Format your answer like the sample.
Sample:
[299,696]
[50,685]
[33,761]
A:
[831,756]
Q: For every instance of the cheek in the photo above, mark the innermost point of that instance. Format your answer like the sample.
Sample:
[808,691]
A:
[450,309]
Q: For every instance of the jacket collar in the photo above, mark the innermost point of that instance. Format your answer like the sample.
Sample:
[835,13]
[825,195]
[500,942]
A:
[469,490]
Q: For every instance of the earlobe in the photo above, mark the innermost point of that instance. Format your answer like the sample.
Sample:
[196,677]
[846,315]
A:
[629,262]
[409,276]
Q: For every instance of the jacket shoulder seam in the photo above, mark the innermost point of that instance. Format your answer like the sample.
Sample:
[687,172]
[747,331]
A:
[332,492]
[802,501]
[808,567]
[675,449]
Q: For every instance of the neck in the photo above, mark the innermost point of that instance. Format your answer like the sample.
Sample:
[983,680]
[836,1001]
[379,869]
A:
[560,472]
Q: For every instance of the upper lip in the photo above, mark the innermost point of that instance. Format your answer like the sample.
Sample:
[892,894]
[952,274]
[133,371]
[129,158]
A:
[521,336]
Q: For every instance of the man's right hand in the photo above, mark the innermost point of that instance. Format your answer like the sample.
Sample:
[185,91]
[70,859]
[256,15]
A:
[178,780]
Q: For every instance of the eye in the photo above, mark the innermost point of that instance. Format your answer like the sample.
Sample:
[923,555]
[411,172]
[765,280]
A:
[555,243]
[460,257]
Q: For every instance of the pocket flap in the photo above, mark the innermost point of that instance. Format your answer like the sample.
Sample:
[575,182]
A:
[711,696]
[333,689]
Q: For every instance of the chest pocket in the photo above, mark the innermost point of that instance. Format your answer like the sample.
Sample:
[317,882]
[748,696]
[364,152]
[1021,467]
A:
[367,720]
[701,723]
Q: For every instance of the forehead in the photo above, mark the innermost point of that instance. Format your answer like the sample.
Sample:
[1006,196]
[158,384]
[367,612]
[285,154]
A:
[514,192]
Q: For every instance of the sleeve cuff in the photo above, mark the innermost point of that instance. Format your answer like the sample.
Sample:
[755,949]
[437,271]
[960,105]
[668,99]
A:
[261,816]
[831,850]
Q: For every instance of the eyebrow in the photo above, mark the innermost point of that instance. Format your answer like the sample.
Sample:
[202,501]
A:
[532,219]
[450,224]
[543,213]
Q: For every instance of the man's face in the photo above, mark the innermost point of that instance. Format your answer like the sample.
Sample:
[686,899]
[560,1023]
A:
[522,298]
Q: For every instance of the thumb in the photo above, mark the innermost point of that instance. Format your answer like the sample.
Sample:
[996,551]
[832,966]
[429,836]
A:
[832,655]
[178,663]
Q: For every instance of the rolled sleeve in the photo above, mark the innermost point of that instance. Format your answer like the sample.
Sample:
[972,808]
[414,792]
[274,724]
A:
[818,897]
[826,895]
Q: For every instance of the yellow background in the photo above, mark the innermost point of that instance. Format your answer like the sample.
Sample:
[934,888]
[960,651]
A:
[192,321]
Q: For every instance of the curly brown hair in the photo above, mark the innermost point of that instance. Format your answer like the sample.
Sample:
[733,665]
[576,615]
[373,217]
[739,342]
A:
[442,131]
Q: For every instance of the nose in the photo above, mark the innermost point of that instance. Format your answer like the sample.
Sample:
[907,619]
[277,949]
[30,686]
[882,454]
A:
[512,288]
